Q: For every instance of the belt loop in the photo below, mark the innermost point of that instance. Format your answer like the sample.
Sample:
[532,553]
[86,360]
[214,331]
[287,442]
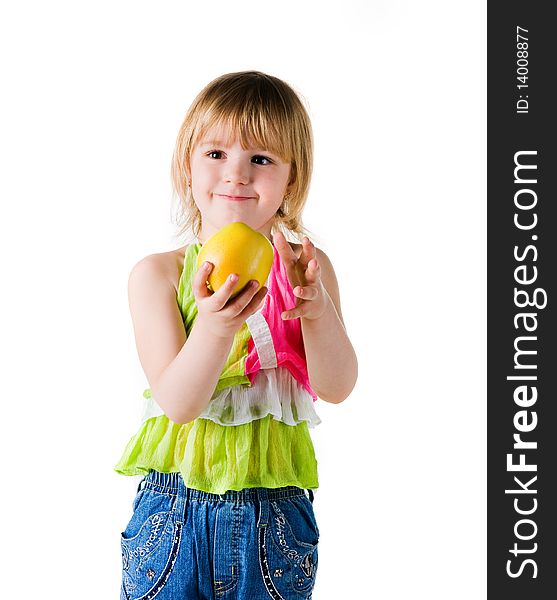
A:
[310,492]
[263,498]
[181,502]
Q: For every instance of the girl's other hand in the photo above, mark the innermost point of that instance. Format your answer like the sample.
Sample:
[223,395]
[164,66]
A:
[220,315]
[304,275]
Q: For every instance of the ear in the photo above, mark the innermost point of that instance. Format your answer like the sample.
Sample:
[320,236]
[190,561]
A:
[289,188]
[292,178]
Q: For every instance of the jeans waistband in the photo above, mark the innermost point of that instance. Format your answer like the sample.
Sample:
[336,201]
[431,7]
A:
[170,483]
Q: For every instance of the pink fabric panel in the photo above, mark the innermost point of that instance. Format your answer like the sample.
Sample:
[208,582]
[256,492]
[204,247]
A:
[287,335]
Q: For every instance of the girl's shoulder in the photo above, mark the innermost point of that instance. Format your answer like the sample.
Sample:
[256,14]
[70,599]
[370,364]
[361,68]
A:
[170,264]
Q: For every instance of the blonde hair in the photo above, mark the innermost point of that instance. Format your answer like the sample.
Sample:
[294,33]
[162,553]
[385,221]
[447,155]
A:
[259,109]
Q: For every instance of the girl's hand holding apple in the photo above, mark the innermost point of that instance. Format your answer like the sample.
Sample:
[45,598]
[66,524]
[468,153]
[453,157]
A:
[220,314]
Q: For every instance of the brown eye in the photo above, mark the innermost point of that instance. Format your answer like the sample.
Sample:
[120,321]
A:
[260,158]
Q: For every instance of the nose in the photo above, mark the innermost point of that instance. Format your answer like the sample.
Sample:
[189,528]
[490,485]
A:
[236,172]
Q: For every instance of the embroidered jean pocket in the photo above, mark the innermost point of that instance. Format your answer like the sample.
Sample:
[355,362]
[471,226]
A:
[149,544]
[288,548]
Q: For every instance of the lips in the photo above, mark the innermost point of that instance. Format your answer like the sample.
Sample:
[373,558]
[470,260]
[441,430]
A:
[235,198]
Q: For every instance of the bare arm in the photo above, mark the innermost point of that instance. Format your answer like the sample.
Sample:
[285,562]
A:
[183,371]
[331,360]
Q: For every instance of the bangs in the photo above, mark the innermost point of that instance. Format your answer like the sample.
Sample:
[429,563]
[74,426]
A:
[254,122]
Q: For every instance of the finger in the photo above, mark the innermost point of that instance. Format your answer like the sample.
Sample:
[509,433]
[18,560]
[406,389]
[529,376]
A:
[222,295]
[256,302]
[287,256]
[308,252]
[199,282]
[307,292]
[238,304]
[313,272]
[293,313]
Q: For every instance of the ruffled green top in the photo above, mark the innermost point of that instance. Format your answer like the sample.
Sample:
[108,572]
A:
[254,432]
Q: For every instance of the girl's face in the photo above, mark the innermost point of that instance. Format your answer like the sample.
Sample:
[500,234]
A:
[232,184]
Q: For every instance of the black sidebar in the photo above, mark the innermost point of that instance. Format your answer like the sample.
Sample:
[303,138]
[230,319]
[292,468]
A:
[522,298]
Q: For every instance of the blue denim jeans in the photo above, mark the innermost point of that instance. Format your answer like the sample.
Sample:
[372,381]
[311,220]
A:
[185,544]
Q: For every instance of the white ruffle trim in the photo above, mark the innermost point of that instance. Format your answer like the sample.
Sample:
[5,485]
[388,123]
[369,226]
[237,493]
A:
[273,392]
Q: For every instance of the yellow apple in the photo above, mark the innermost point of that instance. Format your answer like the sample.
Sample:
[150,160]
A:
[237,248]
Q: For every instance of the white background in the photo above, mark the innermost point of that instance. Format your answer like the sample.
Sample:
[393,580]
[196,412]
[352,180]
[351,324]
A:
[94,94]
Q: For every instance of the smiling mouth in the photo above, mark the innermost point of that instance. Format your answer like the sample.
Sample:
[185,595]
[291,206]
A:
[235,198]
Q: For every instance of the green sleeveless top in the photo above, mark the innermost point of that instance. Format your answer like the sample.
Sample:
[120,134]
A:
[254,433]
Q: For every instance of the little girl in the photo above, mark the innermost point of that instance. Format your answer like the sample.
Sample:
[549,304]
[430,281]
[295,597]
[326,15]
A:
[225,507]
